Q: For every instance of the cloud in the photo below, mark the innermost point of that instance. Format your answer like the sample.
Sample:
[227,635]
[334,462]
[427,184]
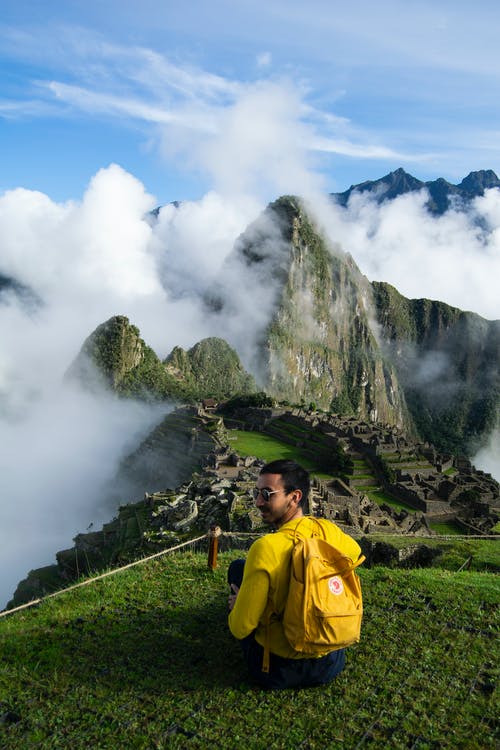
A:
[488,458]
[189,112]
[454,258]
[86,261]
[192,240]
[55,462]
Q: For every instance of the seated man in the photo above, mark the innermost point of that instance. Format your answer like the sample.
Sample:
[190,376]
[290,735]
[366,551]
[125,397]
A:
[282,490]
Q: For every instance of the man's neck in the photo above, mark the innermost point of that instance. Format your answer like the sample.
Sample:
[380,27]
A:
[282,521]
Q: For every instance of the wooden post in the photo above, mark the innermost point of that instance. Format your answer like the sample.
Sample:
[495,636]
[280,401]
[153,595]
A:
[213,547]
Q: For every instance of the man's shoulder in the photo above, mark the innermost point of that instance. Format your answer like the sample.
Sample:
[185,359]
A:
[269,545]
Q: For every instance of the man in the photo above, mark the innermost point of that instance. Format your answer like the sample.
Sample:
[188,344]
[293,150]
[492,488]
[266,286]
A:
[260,585]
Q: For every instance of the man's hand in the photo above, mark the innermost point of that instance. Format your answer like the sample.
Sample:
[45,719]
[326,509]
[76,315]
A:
[232,597]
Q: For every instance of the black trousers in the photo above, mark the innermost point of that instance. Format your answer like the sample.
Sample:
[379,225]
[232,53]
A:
[284,673]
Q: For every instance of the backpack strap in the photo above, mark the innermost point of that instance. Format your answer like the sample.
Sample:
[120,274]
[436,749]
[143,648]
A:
[266,656]
[295,535]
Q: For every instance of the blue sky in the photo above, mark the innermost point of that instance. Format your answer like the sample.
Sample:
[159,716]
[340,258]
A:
[356,89]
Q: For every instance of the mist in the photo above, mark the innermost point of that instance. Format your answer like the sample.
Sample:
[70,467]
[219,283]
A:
[103,255]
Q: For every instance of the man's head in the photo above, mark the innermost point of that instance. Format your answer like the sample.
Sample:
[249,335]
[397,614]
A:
[286,488]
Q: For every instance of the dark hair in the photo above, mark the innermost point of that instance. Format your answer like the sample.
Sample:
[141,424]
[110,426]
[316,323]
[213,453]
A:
[294,476]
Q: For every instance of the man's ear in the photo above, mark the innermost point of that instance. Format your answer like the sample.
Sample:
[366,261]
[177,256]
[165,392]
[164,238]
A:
[297,496]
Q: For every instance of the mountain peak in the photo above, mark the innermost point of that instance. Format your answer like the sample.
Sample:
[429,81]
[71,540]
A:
[477,182]
[440,190]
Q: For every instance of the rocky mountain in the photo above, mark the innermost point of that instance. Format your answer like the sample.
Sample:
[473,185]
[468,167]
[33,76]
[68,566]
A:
[442,194]
[318,345]
[447,361]
[115,356]
[211,368]
[358,348]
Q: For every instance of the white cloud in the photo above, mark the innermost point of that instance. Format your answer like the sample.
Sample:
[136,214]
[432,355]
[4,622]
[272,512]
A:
[488,458]
[451,258]
[55,462]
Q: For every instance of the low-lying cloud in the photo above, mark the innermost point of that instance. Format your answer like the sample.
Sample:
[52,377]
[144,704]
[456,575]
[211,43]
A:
[453,258]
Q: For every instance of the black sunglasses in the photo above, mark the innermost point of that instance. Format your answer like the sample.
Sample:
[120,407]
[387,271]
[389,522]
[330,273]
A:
[266,494]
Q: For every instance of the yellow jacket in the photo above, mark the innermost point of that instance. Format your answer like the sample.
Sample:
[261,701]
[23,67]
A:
[265,579]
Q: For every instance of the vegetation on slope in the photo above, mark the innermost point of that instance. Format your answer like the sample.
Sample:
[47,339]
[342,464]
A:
[144,659]
[447,362]
[116,356]
[210,369]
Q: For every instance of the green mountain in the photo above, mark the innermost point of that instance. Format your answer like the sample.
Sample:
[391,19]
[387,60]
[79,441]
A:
[115,356]
[211,368]
[358,348]
[448,363]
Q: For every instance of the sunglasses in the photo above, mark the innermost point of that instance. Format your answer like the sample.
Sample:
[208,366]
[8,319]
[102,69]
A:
[266,494]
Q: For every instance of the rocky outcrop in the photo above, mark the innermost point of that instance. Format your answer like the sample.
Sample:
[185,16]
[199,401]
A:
[318,345]
[115,356]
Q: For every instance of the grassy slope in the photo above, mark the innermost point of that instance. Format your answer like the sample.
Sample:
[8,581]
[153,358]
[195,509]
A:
[266,447]
[143,659]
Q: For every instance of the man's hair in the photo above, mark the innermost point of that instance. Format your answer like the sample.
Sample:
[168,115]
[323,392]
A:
[294,476]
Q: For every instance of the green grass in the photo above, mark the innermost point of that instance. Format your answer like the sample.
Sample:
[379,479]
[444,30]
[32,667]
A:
[484,554]
[143,659]
[446,528]
[266,447]
[380,497]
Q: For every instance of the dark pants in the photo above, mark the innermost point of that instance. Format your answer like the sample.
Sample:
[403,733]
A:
[285,673]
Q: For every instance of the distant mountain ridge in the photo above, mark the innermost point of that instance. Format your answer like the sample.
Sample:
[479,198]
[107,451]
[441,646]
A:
[442,194]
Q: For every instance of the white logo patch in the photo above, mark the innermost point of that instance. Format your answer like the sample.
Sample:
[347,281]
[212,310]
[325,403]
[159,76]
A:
[336,585]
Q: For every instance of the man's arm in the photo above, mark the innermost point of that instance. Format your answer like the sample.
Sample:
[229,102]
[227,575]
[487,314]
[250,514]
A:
[251,599]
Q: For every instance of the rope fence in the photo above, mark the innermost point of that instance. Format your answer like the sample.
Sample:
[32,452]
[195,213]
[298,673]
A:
[88,581]
[214,534]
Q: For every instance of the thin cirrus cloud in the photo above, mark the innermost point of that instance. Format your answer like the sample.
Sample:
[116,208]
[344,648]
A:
[103,79]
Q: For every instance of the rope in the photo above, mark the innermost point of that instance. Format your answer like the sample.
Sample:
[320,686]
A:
[33,602]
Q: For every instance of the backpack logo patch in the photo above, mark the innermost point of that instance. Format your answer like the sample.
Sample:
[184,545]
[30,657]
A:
[336,585]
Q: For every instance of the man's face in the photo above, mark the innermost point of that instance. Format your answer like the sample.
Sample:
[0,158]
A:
[280,507]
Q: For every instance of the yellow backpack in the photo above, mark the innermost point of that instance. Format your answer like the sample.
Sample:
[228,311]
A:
[324,605]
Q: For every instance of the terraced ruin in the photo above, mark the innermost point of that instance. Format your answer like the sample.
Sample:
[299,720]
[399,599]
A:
[378,464]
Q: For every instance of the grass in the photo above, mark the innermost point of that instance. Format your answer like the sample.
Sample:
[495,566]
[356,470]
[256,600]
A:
[483,555]
[446,528]
[381,497]
[268,448]
[143,659]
